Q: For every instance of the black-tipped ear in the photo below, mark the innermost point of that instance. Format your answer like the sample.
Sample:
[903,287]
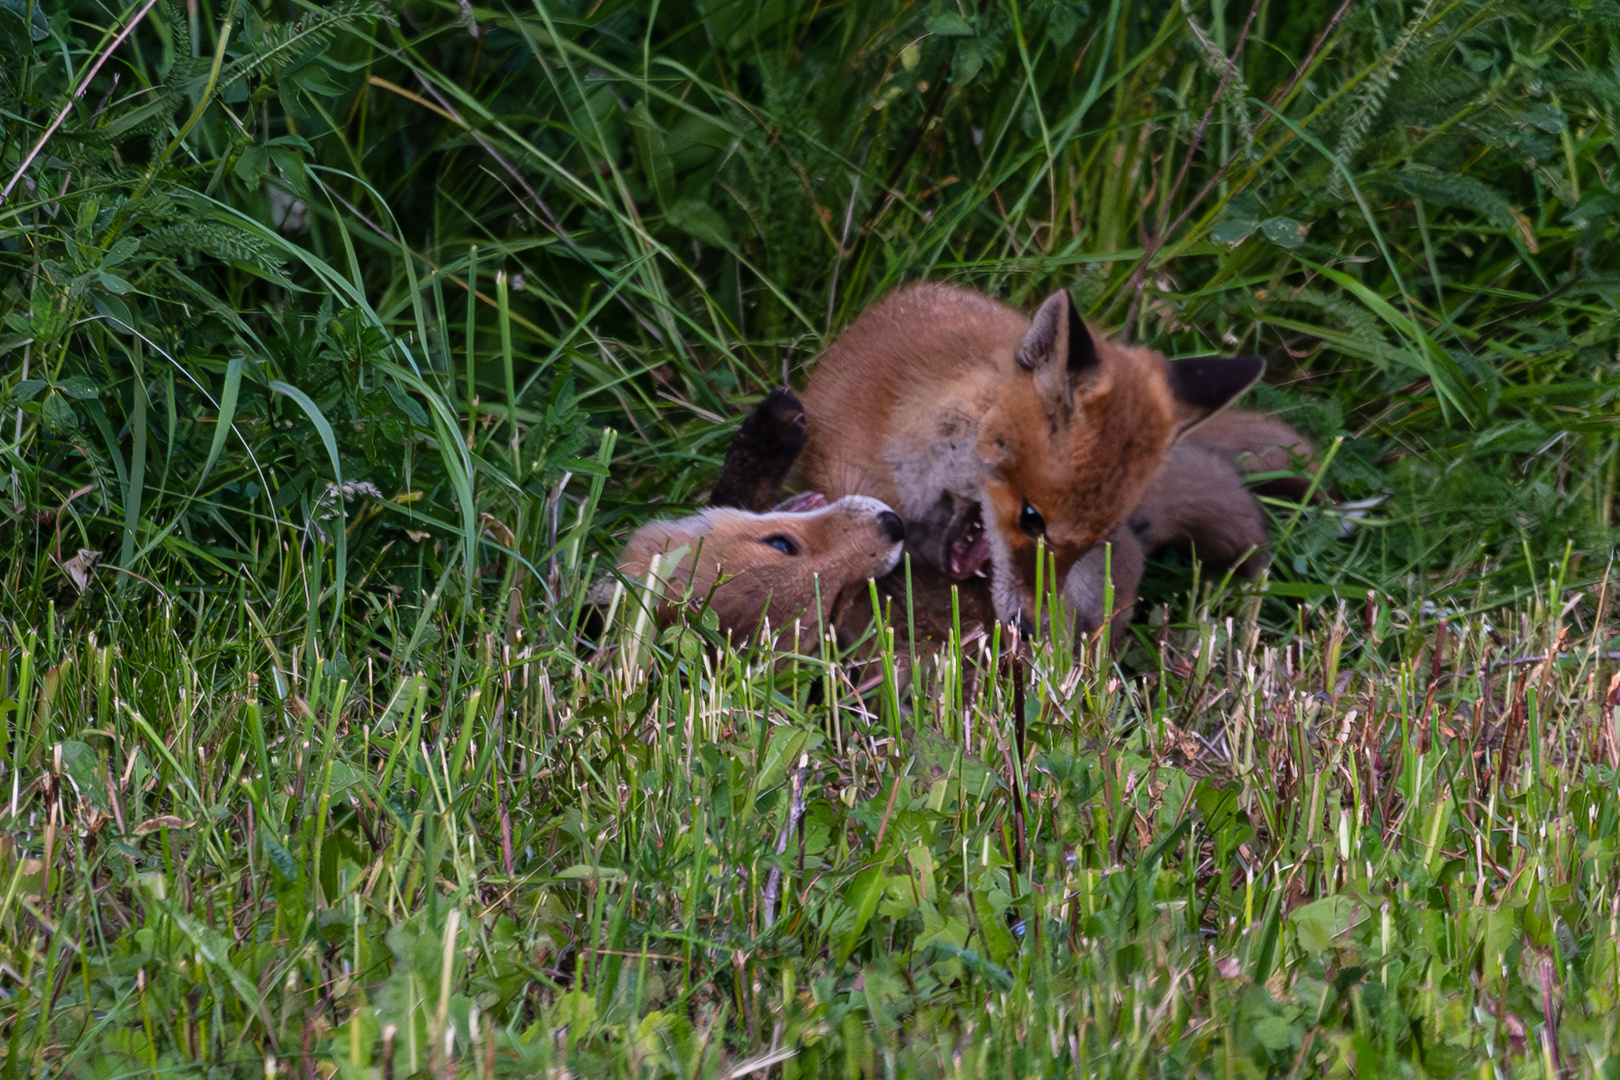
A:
[1057,348]
[1082,350]
[1204,385]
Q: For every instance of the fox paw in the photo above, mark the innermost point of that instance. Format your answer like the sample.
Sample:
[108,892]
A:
[763,451]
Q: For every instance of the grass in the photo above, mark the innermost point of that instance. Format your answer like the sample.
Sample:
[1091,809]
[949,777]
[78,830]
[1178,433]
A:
[341,345]
[1366,844]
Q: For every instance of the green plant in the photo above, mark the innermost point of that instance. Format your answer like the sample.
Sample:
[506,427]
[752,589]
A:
[1376,841]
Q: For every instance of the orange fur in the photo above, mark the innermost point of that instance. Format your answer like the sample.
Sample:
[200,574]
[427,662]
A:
[1198,502]
[955,408]
[729,561]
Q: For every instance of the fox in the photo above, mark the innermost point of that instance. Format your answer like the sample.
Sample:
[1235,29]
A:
[794,564]
[1201,499]
[993,433]
[789,568]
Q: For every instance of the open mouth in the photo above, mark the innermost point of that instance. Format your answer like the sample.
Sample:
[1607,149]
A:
[970,549]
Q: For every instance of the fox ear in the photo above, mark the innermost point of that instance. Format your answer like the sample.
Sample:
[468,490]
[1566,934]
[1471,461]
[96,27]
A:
[663,538]
[1204,385]
[1058,349]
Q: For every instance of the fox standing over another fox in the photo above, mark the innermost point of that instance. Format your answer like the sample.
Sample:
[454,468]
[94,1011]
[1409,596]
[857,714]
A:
[958,410]
[990,431]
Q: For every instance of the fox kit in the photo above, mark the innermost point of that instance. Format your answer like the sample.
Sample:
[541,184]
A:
[775,566]
[1197,500]
[751,563]
[1200,502]
[990,431]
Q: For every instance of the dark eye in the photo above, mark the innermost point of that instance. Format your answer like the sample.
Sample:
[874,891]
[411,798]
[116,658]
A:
[1030,520]
[781,543]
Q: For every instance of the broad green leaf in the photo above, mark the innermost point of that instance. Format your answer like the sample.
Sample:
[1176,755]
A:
[948,24]
[780,755]
[80,387]
[38,28]
[1284,232]
[990,905]
[280,858]
[1233,229]
[700,221]
[862,896]
[1274,1033]
[252,165]
[1318,924]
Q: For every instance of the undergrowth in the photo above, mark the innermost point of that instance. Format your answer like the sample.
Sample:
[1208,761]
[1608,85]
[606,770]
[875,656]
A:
[1365,845]
[240,244]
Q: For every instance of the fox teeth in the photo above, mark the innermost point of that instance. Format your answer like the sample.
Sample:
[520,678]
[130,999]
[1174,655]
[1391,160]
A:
[979,573]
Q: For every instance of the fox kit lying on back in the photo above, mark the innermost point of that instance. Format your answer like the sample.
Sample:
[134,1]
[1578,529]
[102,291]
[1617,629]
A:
[989,431]
[751,567]
[776,566]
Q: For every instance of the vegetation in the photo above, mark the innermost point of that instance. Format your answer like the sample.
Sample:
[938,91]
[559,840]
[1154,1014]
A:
[340,342]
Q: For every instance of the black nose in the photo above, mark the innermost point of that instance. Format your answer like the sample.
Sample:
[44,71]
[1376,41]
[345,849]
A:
[892,526]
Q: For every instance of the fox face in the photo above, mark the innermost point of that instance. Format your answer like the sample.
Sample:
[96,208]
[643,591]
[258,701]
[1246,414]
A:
[751,567]
[995,435]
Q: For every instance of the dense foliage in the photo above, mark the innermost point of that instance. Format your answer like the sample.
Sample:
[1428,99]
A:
[337,341]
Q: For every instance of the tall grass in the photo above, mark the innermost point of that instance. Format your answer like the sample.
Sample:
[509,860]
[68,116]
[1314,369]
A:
[1367,844]
[340,342]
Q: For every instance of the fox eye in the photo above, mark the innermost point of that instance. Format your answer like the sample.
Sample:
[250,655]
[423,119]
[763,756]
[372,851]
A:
[781,543]
[1030,520]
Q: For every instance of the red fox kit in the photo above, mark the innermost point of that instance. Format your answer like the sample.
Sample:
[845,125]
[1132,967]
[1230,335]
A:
[989,431]
[776,566]
[1197,500]
[751,563]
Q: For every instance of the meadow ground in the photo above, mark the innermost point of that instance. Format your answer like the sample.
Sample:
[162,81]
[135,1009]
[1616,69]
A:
[342,343]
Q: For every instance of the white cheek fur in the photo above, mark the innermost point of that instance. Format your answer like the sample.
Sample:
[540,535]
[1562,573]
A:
[892,561]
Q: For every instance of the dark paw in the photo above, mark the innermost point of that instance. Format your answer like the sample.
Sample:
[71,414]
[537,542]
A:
[764,449]
[776,429]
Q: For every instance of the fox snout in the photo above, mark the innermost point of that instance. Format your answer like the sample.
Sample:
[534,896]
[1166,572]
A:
[874,518]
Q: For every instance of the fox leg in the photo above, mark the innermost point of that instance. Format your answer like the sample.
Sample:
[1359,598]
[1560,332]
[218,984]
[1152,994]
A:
[1203,498]
[761,453]
[1259,445]
[1118,558]
[1199,503]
